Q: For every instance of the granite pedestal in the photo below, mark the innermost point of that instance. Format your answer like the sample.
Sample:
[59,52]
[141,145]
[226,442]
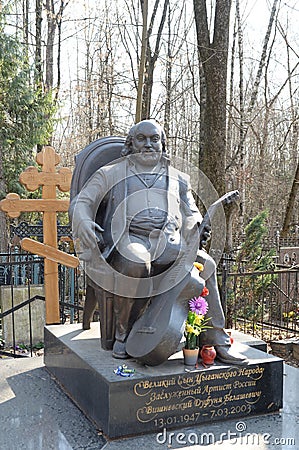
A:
[162,397]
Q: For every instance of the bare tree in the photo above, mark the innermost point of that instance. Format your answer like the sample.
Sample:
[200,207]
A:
[291,203]
[142,62]
[254,93]
[213,55]
[151,57]
[294,145]
[54,22]
[146,57]
[38,42]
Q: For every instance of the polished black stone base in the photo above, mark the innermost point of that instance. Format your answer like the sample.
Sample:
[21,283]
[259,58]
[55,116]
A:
[162,397]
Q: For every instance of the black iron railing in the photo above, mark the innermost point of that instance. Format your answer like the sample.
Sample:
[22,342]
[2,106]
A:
[22,302]
[263,304]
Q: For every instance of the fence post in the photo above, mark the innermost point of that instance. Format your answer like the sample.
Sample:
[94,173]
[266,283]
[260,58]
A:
[224,287]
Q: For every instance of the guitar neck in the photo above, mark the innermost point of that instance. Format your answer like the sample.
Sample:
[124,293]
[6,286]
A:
[225,199]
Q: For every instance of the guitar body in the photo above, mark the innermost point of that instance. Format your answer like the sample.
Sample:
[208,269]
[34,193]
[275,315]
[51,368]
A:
[157,333]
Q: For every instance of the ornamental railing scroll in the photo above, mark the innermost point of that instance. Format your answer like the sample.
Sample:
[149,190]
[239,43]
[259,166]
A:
[23,230]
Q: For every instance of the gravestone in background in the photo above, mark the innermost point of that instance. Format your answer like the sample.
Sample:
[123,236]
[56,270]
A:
[20,320]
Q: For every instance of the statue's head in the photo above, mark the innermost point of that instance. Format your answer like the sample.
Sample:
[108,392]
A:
[147,141]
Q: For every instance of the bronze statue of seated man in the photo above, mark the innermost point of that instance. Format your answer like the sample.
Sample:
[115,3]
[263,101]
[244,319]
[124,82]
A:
[137,221]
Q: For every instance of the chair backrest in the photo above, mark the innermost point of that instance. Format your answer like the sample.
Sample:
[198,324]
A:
[95,155]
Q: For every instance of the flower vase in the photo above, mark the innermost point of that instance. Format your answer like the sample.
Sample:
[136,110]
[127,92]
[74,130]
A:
[231,340]
[190,356]
[208,354]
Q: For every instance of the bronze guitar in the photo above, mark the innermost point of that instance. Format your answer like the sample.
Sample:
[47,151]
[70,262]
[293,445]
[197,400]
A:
[156,335]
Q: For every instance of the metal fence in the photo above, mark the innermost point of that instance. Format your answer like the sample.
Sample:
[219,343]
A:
[263,304]
[22,301]
[17,268]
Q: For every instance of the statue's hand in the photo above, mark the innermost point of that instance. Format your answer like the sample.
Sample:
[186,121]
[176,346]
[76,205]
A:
[205,237]
[90,235]
[100,240]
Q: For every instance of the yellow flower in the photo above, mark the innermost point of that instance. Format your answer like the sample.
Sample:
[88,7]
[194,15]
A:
[198,319]
[198,266]
[189,328]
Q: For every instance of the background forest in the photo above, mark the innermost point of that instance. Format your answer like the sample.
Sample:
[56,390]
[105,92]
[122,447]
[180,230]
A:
[220,75]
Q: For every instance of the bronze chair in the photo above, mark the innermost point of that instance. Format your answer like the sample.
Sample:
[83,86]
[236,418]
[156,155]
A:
[95,155]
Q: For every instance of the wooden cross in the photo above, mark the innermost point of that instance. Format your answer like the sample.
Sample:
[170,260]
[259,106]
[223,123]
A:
[49,205]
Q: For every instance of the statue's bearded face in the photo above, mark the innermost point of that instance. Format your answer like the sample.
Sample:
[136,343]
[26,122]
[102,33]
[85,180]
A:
[146,144]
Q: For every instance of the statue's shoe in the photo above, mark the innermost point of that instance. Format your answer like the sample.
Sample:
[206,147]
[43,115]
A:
[227,355]
[119,350]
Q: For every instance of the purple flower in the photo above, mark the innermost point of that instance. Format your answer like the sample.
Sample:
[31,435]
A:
[198,305]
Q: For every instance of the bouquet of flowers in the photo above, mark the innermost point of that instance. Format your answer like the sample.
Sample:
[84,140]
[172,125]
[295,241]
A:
[196,322]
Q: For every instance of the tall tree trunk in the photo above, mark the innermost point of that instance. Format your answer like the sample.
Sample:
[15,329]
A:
[257,80]
[142,62]
[203,103]
[54,20]
[3,190]
[59,24]
[151,59]
[26,26]
[294,147]
[168,77]
[38,42]
[38,49]
[213,59]
[3,217]
[51,22]
[241,108]
[291,203]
